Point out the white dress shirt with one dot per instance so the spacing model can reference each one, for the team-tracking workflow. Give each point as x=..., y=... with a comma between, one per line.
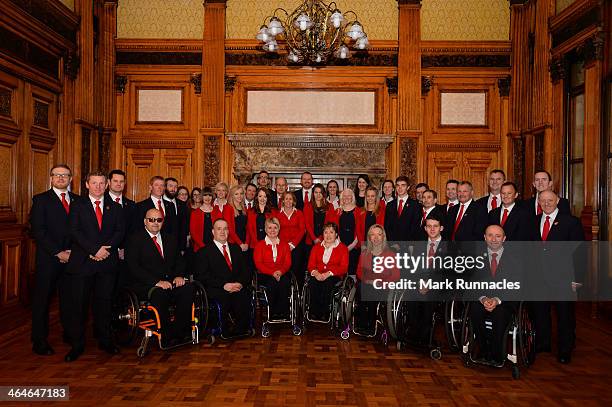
x=159, y=239
x=552, y=216
x=59, y=193
x=93, y=203
x=220, y=247
x=503, y=208
x=114, y=198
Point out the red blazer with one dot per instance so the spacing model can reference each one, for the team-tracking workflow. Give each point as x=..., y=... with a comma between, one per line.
x=264, y=260
x=338, y=262
x=309, y=221
x=252, y=227
x=196, y=226
x=364, y=268
x=380, y=219
x=292, y=230
x=334, y=217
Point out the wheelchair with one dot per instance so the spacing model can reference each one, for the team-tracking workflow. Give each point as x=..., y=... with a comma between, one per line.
x=351, y=307
x=338, y=300
x=131, y=315
x=215, y=322
x=398, y=312
x=294, y=307
x=453, y=323
x=520, y=330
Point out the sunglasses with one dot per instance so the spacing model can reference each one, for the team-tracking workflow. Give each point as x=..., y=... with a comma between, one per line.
x=153, y=220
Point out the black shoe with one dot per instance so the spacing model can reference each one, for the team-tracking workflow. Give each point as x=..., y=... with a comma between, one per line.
x=73, y=355
x=42, y=348
x=565, y=357
x=109, y=348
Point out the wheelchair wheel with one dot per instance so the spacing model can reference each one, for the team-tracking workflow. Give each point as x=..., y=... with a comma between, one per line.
x=126, y=317
x=467, y=337
x=526, y=337
x=347, y=295
x=393, y=301
x=200, y=306
x=453, y=318
x=435, y=354
x=265, y=331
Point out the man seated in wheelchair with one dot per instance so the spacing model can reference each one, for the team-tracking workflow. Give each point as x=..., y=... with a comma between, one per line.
x=375, y=249
x=273, y=260
x=490, y=315
x=157, y=270
x=223, y=271
x=327, y=264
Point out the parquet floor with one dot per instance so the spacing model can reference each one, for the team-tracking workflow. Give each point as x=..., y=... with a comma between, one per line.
x=312, y=370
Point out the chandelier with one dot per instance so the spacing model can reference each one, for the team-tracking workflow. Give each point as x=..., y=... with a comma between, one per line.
x=314, y=32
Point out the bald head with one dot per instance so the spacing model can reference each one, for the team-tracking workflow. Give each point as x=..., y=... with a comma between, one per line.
x=153, y=220
x=548, y=200
x=495, y=237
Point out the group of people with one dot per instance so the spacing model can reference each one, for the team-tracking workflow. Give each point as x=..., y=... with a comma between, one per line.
x=93, y=243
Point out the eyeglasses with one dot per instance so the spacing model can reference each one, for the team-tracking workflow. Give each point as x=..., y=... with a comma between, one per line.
x=61, y=175
x=153, y=220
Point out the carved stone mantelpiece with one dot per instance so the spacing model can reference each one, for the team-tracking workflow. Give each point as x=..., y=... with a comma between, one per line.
x=319, y=154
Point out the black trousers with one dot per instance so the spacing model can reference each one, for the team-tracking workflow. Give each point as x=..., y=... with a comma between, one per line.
x=566, y=325
x=500, y=317
x=297, y=263
x=419, y=320
x=182, y=297
x=353, y=261
x=237, y=304
x=320, y=295
x=365, y=312
x=277, y=292
x=47, y=279
x=102, y=284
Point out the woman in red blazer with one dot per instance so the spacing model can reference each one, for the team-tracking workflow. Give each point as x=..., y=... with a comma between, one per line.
x=372, y=214
x=201, y=221
x=256, y=218
x=328, y=263
x=348, y=220
x=273, y=260
x=314, y=218
x=292, y=231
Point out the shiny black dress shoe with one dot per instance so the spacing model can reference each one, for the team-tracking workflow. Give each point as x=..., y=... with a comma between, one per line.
x=109, y=348
x=73, y=355
x=42, y=348
x=564, y=357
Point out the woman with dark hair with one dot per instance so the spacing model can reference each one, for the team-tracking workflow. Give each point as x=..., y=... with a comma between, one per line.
x=388, y=193
x=314, y=215
x=348, y=221
x=373, y=213
x=201, y=221
x=256, y=218
x=182, y=193
x=363, y=182
x=196, y=198
x=292, y=231
x=333, y=190
x=327, y=264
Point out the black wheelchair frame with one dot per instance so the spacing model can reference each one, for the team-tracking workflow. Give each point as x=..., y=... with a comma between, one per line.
x=294, y=307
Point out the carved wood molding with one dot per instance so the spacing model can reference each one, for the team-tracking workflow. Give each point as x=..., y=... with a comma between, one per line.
x=309, y=141
x=392, y=85
x=147, y=142
x=503, y=85
x=463, y=147
x=408, y=158
x=465, y=47
x=212, y=163
x=196, y=80
x=157, y=45
x=426, y=85
x=121, y=82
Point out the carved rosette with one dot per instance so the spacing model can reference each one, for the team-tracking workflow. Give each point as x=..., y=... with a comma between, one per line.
x=408, y=158
x=120, y=83
x=230, y=82
x=196, y=80
x=212, y=165
x=426, y=84
x=319, y=154
x=559, y=68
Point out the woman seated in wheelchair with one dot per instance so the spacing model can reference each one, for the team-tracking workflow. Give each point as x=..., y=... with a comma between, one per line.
x=376, y=247
x=490, y=316
x=327, y=264
x=157, y=275
x=273, y=260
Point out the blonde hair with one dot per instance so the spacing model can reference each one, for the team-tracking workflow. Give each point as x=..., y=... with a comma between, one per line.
x=231, y=202
x=273, y=221
x=384, y=234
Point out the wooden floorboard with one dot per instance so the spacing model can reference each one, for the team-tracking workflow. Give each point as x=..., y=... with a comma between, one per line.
x=312, y=370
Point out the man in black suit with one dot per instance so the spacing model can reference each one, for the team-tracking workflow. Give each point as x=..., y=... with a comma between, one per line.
x=542, y=181
x=430, y=209
x=158, y=274
x=97, y=228
x=263, y=179
x=500, y=263
x=512, y=217
x=558, y=265
x=277, y=194
x=223, y=271
x=156, y=200
x=493, y=199
x=451, y=194
x=304, y=194
x=466, y=222
x=180, y=211
x=418, y=191
x=49, y=222
x=116, y=186
x=249, y=196
x=402, y=215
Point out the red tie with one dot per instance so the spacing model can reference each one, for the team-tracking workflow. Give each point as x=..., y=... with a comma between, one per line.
x=424, y=217
x=539, y=210
x=98, y=214
x=65, y=203
x=118, y=200
x=306, y=200
x=494, y=202
x=227, y=258
x=504, y=217
x=160, y=206
x=457, y=222
x=431, y=254
x=159, y=249
x=451, y=204
x=493, y=264
x=546, y=228
x=248, y=205
x=400, y=208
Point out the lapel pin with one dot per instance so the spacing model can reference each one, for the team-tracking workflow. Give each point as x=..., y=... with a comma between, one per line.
x=556, y=223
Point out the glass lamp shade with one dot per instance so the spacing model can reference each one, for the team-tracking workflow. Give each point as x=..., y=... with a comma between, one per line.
x=271, y=46
x=303, y=22
x=336, y=18
x=356, y=31
x=343, y=52
x=362, y=43
x=275, y=27
x=263, y=34
x=292, y=57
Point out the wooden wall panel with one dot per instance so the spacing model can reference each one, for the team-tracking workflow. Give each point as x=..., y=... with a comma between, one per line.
x=476, y=168
x=442, y=166
x=141, y=165
x=8, y=160
x=176, y=163
x=11, y=265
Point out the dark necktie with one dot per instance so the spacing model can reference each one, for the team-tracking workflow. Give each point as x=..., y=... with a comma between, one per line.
x=504, y=217
x=306, y=200
x=159, y=249
x=546, y=228
x=457, y=222
x=98, y=214
x=431, y=254
x=65, y=203
x=400, y=208
x=227, y=258
x=160, y=206
x=118, y=200
x=493, y=264
x=539, y=210
x=494, y=202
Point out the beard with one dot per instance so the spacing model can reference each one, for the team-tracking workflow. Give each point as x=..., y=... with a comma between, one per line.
x=170, y=195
